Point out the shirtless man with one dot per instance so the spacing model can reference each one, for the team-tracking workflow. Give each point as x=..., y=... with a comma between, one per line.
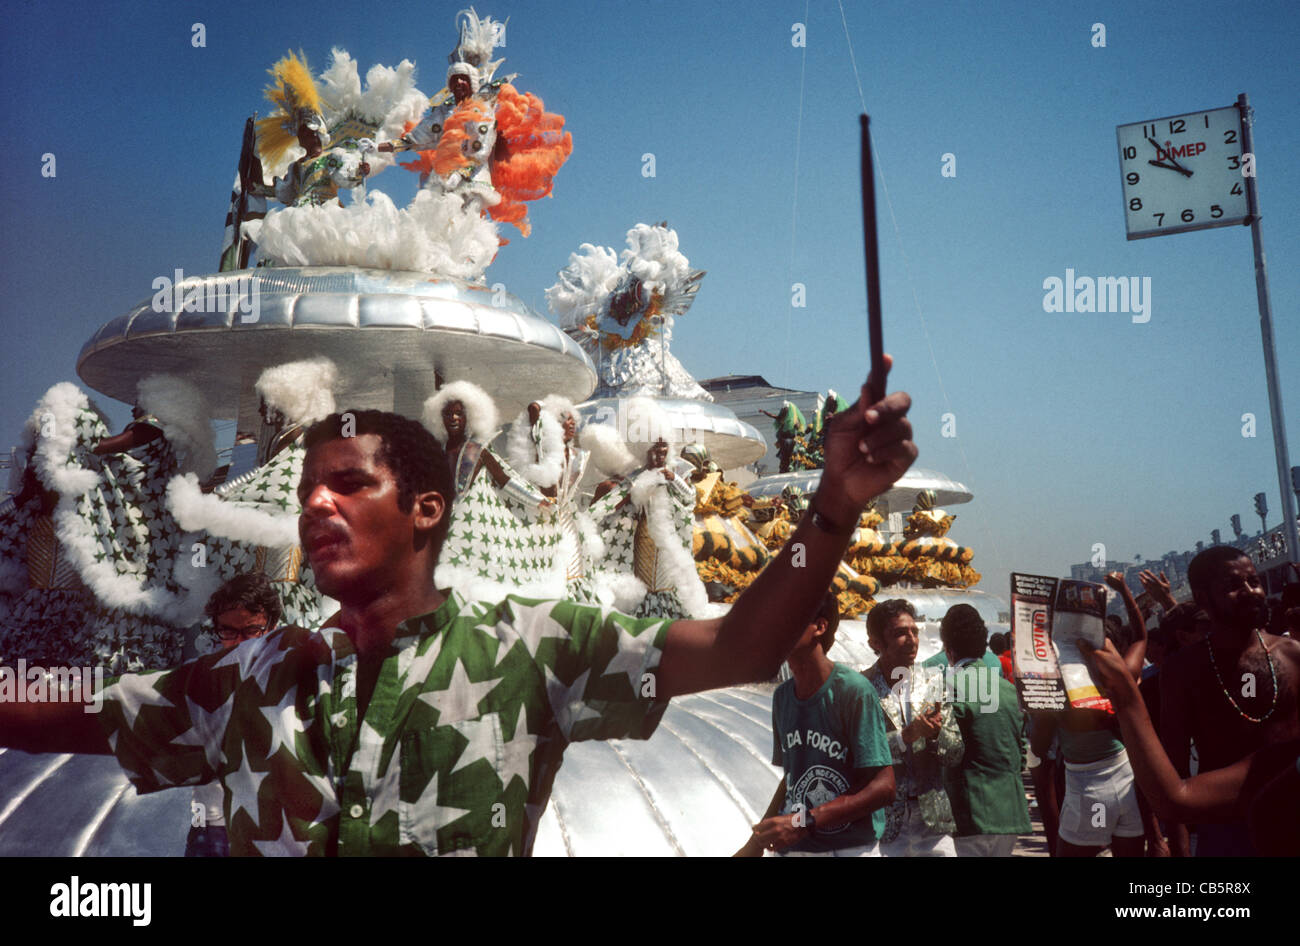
x=1235, y=692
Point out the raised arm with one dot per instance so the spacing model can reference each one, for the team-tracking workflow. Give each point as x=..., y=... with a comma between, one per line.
x=1136, y=652
x=867, y=449
x=1158, y=588
x=135, y=435
x=1212, y=795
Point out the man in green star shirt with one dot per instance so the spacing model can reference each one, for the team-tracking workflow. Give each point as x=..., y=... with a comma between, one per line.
x=414, y=722
x=828, y=731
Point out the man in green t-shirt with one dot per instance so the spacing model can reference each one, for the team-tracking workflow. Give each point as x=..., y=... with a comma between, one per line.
x=828, y=731
x=413, y=721
x=985, y=791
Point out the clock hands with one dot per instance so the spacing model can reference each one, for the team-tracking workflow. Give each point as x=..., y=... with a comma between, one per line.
x=1170, y=167
x=1175, y=166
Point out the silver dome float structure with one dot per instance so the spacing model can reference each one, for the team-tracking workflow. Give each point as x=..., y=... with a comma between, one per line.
x=730, y=441
x=898, y=498
x=693, y=789
x=396, y=336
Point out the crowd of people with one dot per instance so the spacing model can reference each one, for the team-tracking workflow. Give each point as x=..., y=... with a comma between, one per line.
x=416, y=720
x=907, y=759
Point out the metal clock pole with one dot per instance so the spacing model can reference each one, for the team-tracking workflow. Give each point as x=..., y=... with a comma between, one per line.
x=1266, y=330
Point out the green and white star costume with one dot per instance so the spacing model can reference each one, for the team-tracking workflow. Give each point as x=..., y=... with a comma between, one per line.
x=458, y=750
x=492, y=546
x=564, y=531
x=109, y=526
x=650, y=536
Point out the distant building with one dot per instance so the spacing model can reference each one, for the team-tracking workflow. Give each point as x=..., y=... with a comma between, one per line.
x=1266, y=550
x=748, y=395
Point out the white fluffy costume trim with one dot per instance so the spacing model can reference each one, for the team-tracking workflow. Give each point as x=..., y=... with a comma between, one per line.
x=186, y=420
x=649, y=494
x=433, y=234
x=390, y=99
x=481, y=417
x=647, y=423
x=303, y=391
x=584, y=285
x=197, y=511
x=608, y=451
x=54, y=425
x=536, y=451
x=53, y=429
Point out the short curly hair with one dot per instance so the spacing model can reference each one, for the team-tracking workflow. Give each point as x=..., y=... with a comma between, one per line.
x=251, y=591
x=1208, y=564
x=885, y=613
x=406, y=447
x=963, y=631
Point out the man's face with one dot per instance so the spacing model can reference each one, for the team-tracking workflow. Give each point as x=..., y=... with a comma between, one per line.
x=1236, y=596
x=570, y=428
x=898, y=641
x=238, y=625
x=657, y=455
x=460, y=87
x=351, y=528
x=453, y=418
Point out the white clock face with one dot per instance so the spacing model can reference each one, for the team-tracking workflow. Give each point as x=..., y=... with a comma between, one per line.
x=1183, y=173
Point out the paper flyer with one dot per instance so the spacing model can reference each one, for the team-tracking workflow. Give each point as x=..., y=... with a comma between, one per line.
x=1048, y=618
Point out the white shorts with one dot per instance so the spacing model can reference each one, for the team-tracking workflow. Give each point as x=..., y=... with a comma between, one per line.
x=1100, y=802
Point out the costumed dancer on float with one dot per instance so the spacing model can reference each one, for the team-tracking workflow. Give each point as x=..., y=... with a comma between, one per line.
x=47, y=603
x=335, y=123
x=251, y=522
x=621, y=312
x=317, y=176
x=491, y=549
x=543, y=447
x=483, y=139
x=791, y=437
x=647, y=520
x=816, y=450
x=98, y=541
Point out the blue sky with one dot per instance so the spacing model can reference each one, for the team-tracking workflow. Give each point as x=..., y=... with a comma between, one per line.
x=1072, y=428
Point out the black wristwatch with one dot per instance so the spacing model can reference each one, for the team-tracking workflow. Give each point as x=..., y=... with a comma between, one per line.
x=826, y=525
x=810, y=821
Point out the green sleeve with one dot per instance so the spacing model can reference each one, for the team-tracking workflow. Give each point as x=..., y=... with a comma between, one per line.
x=599, y=665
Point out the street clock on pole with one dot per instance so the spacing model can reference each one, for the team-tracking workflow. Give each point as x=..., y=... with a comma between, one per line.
x=1183, y=173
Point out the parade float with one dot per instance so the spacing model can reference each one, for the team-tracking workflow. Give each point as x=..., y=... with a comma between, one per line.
x=616, y=461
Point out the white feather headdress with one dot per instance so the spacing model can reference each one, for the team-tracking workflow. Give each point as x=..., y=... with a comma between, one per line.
x=481, y=417
x=477, y=40
x=303, y=391
x=186, y=420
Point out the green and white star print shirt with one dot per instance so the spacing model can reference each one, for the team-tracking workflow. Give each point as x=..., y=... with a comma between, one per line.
x=459, y=747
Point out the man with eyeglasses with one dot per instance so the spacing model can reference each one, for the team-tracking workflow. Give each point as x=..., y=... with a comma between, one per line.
x=243, y=608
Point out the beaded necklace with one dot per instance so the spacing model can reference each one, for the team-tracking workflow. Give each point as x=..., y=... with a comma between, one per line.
x=1272, y=673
